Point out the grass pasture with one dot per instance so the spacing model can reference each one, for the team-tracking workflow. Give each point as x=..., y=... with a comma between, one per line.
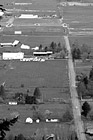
x=35, y=30
x=87, y=1
x=82, y=40
x=31, y=22
x=62, y=130
x=51, y=77
x=36, y=5
x=83, y=67
x=78, y=17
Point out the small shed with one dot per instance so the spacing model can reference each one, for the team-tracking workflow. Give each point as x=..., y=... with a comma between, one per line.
x=12, y=103
x=29, y=120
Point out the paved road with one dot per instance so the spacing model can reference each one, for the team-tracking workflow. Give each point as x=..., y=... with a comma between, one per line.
x=75, y=102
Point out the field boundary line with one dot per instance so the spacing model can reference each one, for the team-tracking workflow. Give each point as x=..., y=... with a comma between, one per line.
x=79, y=126
x=80, y=67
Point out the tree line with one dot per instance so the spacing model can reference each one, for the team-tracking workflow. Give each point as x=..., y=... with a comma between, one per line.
x=54, y=47
x=80, y=52
x=22, y=98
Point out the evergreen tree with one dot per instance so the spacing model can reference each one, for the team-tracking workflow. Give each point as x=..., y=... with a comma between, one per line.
x=46, y=49
x=85, y=48
x=20, y=137
x=86, y=108
x=37, y=93
x=59, y=47
x=40, y=47
x=2, y=90
x=5, y=126
x=52, y=46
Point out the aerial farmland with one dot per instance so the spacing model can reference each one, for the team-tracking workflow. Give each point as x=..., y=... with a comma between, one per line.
x=39, y=93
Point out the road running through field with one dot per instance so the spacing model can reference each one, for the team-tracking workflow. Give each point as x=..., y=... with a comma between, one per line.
x=74, y=96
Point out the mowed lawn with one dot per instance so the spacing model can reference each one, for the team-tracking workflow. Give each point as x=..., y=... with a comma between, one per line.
x=44, y=74
x=50, y=76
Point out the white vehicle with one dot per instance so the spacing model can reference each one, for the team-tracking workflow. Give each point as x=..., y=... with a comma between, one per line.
x=23, y=46
x=42, y=60
x=65, y=25
x=29, y=120
x=1, y=13
x=37, y=24
x=36, y=48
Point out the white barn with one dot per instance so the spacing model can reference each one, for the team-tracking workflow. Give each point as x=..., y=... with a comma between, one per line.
x=11, y=56
x=28, y=16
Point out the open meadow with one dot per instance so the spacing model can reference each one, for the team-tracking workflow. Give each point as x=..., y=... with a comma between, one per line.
x=50, y=76
x=36, y=5
x=78, y=17
x=87, y=39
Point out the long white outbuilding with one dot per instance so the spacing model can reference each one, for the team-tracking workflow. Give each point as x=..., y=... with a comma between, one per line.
x=13, y=56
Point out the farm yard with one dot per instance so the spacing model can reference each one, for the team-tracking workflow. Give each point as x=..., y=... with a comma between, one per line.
x=42, y=127
x=52, y=78
x=33, y=41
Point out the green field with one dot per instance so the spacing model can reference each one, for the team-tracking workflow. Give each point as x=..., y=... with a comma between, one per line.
x=82, y=40
x=52, y=79
x=50, y=76
x=40, y=5
x=78, y=17
x=31, y=22
x=83, y=67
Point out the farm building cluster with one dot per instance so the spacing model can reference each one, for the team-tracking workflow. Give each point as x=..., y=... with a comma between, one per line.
x=23, y=52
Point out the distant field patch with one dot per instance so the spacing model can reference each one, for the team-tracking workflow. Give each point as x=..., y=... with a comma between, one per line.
x=83, y=16
x=30, y=22
x=82, y=67
x=82, y=40
x=50, y=76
